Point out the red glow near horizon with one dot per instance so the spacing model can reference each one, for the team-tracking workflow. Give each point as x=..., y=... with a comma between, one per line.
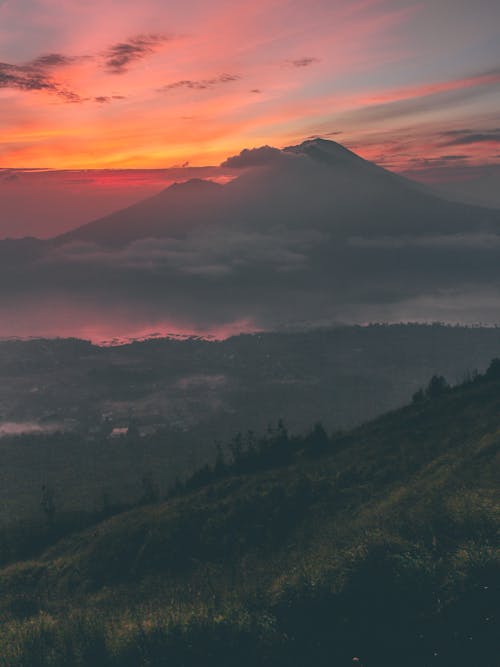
x=104, y=334
x=100, y=335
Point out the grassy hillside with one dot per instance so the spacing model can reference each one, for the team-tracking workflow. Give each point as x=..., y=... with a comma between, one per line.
x=186, y=394
x=378, y=548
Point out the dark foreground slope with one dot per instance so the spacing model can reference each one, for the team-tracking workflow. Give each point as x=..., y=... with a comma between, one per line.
x=379, y=547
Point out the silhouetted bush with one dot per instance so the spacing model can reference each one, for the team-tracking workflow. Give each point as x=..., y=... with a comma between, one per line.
x=437, y=387
x=493, y=372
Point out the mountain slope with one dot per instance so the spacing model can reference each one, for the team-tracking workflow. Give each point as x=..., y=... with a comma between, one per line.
x=176, y=211
x=317, y=184
x=380, y=545
x=312, y=233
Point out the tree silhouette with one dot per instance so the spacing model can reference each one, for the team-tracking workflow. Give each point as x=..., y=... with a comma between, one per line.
x=493, y=372
x=437, y=386
x=48, y=504
x=150, y=490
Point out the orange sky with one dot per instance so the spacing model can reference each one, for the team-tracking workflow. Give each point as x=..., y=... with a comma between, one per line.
x=119, y=84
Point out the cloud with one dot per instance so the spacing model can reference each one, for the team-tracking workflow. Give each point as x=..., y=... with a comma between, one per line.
x=70, y=96
x=407, y=101
x=474, y=138
x=468, y=242
x=39, y=75
x=302, y=62
x=106, y=99
x=487, y=78
x=270, y=278
x=434, y=162
x=52, y=60
x=448, y=158
x=24, y=78
x=122, y=54
x=36, y=75
x=200, y=84
x=212, y=252
x=254, y=157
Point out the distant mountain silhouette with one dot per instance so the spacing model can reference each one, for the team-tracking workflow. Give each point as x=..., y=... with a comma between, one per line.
x=318, y=184
x=172, y=212
x=309, y=234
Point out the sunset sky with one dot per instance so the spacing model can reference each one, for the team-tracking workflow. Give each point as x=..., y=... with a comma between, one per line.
x=114, y=84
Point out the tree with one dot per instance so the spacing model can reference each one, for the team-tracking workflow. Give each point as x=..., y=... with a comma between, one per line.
x=150, y=490
x=493, y=372
x=418, y=396
x=437, y=386
x=133, y=428
x=317, y=440
x=220, y=466
x=48, y=504
x=236, y=448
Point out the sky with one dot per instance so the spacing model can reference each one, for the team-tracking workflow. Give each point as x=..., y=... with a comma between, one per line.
x=144, y=88
x=106, y=102
x=120, y=84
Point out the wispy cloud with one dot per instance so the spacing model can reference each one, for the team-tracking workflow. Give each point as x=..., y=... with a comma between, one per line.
x=468, y=137
x=41, y=74
x=302, y=62
x=50, y=60
x=487, y=78
x=106, y=99
x=402, y=102
x=121, y=55
x=200, y=84
x=24, y=78
x=34, y=76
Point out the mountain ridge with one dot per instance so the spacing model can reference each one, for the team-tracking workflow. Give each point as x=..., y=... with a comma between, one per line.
x=320, y=177
x=309, y=233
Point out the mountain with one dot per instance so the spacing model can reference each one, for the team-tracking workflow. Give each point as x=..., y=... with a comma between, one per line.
x=318, y=184
x=377, y=547
x=309, y=234
x=178, y=210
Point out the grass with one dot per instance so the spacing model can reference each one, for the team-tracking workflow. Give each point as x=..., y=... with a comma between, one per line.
x=381, y=544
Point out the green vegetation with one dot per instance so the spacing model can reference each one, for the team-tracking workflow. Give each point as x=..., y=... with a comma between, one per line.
x=376, y=547
x=182, y=395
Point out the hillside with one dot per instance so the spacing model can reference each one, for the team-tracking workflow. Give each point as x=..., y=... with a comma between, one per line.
x=184, y=395
x=377, y=547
